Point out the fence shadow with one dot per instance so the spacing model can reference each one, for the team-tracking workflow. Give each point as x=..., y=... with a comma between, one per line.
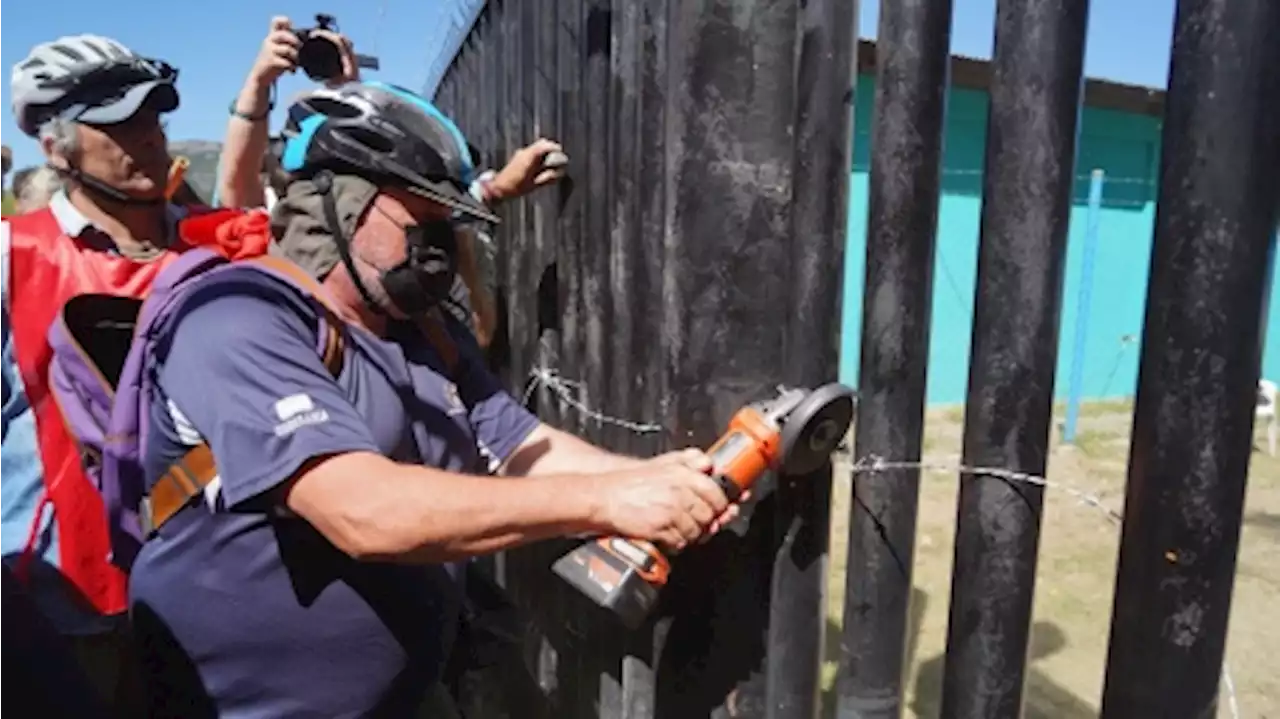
x=1045, y=698
x=1265, y=521
x=915, y=618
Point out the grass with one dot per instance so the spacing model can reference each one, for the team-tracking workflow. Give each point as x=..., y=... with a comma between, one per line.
x=1076, y=574
x=1098, y=443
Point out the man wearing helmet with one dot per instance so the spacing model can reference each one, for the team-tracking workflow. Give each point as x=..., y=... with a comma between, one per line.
x=313, y=575
x=95, y=107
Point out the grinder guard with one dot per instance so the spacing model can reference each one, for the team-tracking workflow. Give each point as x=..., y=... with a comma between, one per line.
x=814, y=429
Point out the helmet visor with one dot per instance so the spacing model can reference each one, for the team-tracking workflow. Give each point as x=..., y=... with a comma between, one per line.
x=113, y=93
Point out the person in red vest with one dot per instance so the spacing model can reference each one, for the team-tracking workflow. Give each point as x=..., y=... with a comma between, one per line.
x=95, y=107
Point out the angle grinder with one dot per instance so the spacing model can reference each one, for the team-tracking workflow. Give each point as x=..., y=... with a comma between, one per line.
x=794, y=433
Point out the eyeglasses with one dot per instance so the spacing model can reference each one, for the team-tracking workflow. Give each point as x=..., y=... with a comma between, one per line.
x=417, y=223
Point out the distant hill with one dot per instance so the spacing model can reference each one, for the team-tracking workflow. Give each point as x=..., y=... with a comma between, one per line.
x=203, y=172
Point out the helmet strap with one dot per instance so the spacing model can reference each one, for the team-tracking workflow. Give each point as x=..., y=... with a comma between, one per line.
x=324, y=183
x=102, y=189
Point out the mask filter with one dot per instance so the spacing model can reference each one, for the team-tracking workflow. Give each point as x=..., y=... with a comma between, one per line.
x=425, y=277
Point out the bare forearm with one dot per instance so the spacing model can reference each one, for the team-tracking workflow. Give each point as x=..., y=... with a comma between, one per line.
x=240, y=183
x=549, y=451
x=382, y=511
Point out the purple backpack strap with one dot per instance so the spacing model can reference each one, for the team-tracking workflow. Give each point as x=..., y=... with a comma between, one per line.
x=124, y=478
x=123, y=482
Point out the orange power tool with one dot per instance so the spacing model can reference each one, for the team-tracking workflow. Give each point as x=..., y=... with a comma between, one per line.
x=795, y=433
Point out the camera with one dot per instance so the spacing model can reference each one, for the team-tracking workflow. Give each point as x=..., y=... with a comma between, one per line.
x=319, y=57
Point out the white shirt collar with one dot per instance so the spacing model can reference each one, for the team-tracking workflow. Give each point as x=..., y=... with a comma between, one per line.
x=73, y=223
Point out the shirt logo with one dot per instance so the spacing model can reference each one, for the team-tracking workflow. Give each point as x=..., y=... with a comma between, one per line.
x=295, y=412
x=451, y=396
x=187, y=433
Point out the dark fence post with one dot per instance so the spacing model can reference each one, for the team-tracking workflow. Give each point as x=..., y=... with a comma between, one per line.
x=1027, y=190
x=912, y=63
x=825, y=85
x=570, y=198
x=726, y=275
x=1201, y=354
x=596, y=296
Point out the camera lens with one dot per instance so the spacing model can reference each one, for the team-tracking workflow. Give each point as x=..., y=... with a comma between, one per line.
x=319, y=58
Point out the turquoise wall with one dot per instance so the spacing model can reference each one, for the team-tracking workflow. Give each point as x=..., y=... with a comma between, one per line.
x=1126, y=148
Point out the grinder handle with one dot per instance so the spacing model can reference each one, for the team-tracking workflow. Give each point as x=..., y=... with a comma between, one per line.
x=738, y=459
x=751, y=447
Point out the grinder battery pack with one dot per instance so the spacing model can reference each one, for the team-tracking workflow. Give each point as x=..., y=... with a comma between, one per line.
x=794, y=432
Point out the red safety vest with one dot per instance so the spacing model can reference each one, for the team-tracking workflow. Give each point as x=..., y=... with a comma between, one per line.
x=47, y=268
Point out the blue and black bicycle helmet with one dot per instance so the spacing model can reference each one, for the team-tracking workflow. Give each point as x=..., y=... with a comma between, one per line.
x=385, y=134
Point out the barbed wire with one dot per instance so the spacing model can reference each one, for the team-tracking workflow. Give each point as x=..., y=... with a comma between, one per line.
x=566, y=389
x=458, y=17
x=872, y=463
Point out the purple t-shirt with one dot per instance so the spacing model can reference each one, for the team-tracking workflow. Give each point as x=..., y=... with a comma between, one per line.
x=246, y=612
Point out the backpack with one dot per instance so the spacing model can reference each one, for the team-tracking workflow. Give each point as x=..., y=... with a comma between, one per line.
x=101, y=377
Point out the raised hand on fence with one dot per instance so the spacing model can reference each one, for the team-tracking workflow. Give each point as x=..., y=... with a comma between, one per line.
x=538, y=164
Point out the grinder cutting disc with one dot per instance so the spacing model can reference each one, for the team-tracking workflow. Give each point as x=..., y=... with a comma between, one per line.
x=813, y=430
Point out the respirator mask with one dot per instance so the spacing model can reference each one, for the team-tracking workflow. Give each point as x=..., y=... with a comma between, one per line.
x=425, y=276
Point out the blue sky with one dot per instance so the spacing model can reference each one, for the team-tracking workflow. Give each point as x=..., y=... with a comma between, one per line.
x=214, y=45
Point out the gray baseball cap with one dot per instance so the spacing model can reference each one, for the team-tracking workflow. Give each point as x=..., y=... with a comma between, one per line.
x=90, y=79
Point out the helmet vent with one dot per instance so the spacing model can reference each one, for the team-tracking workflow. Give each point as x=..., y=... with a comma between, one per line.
x=370, y=139
x=333, y=108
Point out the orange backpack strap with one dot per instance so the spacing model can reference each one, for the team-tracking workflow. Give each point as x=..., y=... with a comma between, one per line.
x=188, y=477
x=334, y=344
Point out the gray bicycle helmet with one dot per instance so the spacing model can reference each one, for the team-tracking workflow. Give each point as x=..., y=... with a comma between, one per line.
x=90, y=79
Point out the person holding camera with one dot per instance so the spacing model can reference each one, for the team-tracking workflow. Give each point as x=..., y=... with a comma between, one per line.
x=241, y=182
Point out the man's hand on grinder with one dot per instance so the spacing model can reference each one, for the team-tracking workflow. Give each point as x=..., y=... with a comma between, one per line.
x=670, y=499
x=697, y=459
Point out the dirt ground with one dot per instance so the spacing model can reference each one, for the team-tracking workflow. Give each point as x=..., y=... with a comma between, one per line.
x=1078, y=553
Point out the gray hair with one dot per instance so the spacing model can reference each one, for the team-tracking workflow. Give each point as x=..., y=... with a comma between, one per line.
x=62, y=135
